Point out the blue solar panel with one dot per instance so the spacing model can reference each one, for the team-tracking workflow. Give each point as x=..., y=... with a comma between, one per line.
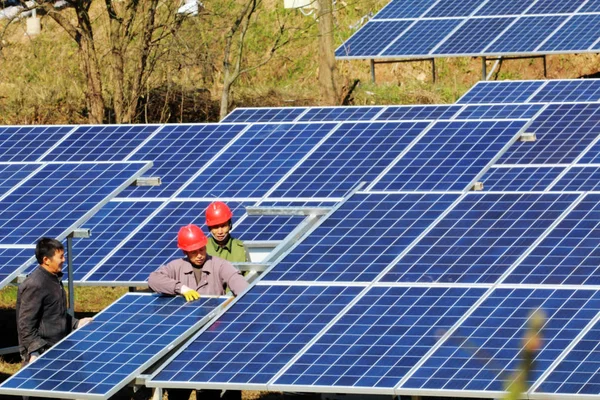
x=340, y=114
x=368, y=40
x=501, y=111
x=100, y=358
x=380, y=338
x=591, y=156
x=418, y=112
x=519, y=178
x=590, y=6
x=13, y=261
x=449, y=156
x=578, y=373
x=563, y=132
x=422, y=37
x=504, y=7
x=525, y=35
x=579, y=178
x=100, y=143
x=178, y=152
x=354, y=153
x=480, y=238
x=12, y=174
x=568, y=90
x=361, y=238
x=579, y=33
x=256, y=337
x=570, y=254
x=404, y=9
x=480, y=354
x=264, y=114
x=28, y=143
x=554, y=7
x=453, y=8
x=474, y=36
x=501, y=92
x=257, y=160
x=60, y=197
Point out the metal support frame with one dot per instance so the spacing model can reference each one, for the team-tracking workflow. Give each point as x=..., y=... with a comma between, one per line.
x=484, y=59
x=373, y=62
x=260, y=210
x=77, y=233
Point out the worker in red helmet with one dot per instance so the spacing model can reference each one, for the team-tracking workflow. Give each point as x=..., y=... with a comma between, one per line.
x=198, y=272
x=220, y=242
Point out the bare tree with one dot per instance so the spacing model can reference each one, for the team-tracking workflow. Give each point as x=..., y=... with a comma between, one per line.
x=327, y=67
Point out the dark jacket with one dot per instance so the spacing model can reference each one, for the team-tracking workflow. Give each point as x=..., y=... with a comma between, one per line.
x=42, y=318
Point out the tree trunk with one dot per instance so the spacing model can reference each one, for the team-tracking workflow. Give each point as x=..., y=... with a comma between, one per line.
x=327, y=67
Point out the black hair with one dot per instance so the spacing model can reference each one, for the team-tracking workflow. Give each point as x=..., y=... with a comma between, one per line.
x=46, y=247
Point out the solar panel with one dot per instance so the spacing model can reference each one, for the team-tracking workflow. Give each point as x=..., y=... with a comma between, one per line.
x=100, y=143
x=257, y=160
x=473, y=36
x=520, y=178
x=579, y=33
x=377, y=341
x=449, y=156
x=570, y=254
x=355, y=152
x=554, y=7
x=404, y=9
x=579, y=178
x=28, y=143
x=340, y=114
x=500, y=111
x=361, y=238
x=14, y=260
x=367, y=41
x=288, y=114
x=504, y=7
x=568, y=90
x=12, y=174
x=257, y=336
x=501, y=92
x=590, y=6
x=591, y=155
x=479, y=355
x=563, y=132
x=422, y=37
x=525, y=35
x=453, y=8
x=417, y=112
x=178, y=153
x=60, y=197
x=480, y=238
x=97, y=360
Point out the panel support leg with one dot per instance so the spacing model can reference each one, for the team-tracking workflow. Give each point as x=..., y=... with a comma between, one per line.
x=71, y=309
x=372, y=70
x=433, y=69
x=483, y=69
x=545, y=68
x=157, y=394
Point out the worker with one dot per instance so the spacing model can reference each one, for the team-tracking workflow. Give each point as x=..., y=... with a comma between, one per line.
x=42, y=318
x=221, y=243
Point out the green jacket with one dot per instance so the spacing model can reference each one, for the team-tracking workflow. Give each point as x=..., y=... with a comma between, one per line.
x=234, y=250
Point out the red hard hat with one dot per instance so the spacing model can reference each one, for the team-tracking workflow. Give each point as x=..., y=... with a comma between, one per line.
x=217, y=213
x=191, y=238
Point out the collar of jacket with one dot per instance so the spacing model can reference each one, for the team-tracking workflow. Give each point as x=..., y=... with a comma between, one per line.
x=228, y=245
x=50, y=274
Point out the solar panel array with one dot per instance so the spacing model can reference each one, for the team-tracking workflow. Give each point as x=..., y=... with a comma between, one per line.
x=426, y=28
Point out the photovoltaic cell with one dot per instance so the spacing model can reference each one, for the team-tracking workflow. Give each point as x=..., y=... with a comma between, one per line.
x=579, y=33
x=13, y=261
x=257, y=160
x=422, y=37
x=380, y=338
x=59, y=198
x=453, y=8
x=563, y=132
x=504, y=7
x=480, y=238
x=404, y=9
x=570, y=254
x=449, y=156
x=28, y=143
x=500, y=111
x=264, y=114
x=361, y=238
x=355, y=152
x=368, y=40
x=501, y=92
x=97, y=360
x=590, y=6
x=568, y=90
x=100, y=143
x=178, y=152
x=12, y=174
x=578, y=373
x=256, y=337
x=554, y=7
x=417, y=112
x=520, y=178
x=579, y=178
x=474, y=36
x=341, y=114
x=592, y=155
x=487, y=347
x=525, y=35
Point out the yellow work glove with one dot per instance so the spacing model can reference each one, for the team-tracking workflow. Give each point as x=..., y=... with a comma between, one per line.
x=189, y=294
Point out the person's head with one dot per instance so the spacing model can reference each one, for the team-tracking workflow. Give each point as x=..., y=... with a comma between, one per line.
x=50, y=254
x=218, y=220
x=192, y=241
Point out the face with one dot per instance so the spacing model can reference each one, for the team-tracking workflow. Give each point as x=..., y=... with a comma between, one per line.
x=220, y=232
x=197, y=257
x=55, y=263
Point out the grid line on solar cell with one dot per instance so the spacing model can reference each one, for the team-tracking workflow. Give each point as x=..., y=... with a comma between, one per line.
x=500, y=111
x=488, y=344
x=504, y=7
x=98, y=359
x=256, y=161
x=14, y=260
x=578, y=33
x=379, y=339
x=28, y=143
x=264, y=114
x=354, y=153
x=361, y=238
x=569, y=254
x=367, y=41
x=454, y=8
x=257, y=336
x=563, y=132
x=418, y=112
x=421, y=38
x=59, y=197
x=578, y=178
x=473, y=36
x=579, y=90
x=404, y=9
x=341, y=114
x=449, y=156
x=554, y=7
x=501, y=92
x=520, y=178
x=11, y=175
x=525, y=35
x=480, y=238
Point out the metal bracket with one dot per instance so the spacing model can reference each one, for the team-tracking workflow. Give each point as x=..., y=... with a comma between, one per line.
x=477, y=186
x=258, y=210
x=527, y=137
x=250, y=266
x=147, y=181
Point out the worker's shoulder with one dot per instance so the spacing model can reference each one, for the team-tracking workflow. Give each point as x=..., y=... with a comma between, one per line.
x=237, y=243
x=36, y=279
